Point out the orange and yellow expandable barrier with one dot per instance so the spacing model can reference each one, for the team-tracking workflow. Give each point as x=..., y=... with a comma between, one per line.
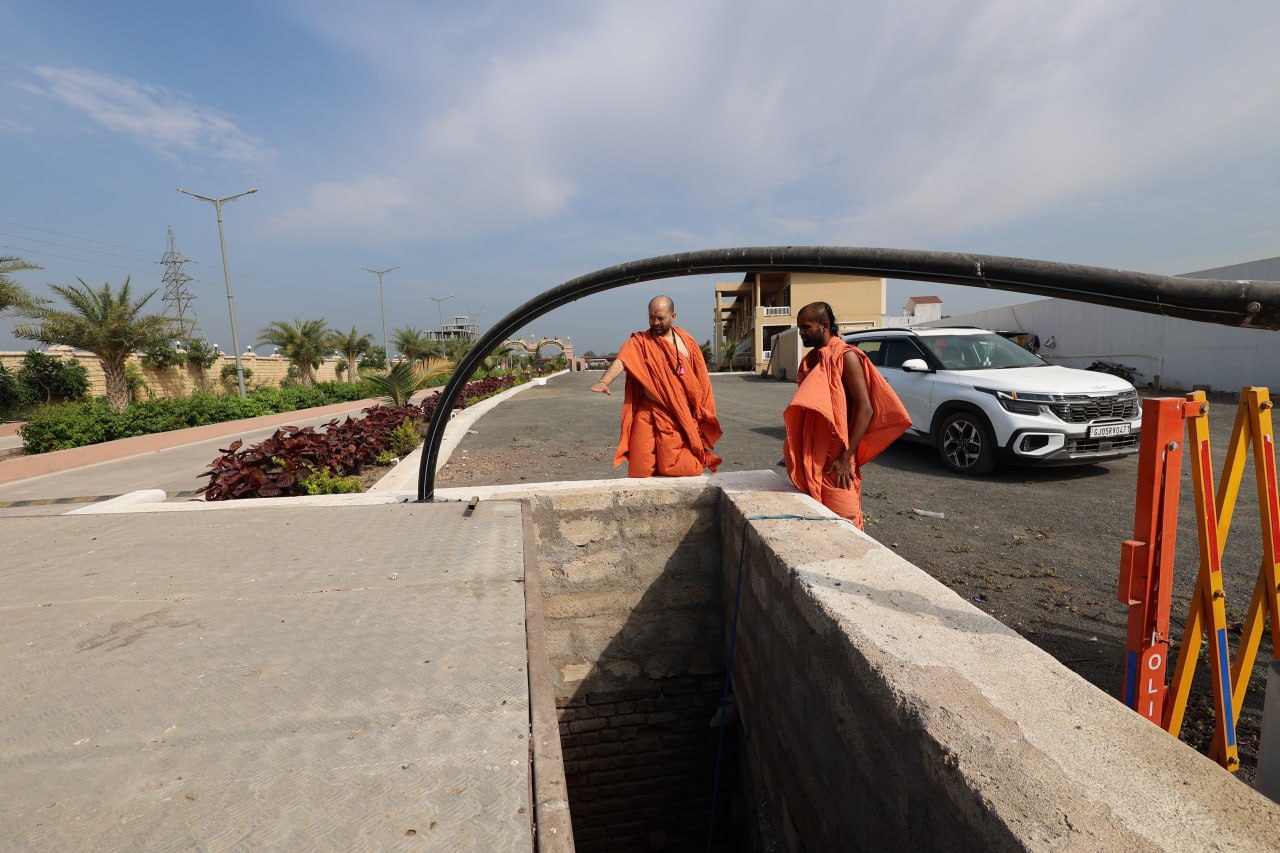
x=1146, y=569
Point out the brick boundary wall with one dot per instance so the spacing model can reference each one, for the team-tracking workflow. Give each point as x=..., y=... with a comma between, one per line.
x=268, y=372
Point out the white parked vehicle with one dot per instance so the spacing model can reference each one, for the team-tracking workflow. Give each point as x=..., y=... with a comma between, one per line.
x=981, y=399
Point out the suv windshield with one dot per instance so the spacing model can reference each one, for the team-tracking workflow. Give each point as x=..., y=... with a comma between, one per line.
x=979, y=352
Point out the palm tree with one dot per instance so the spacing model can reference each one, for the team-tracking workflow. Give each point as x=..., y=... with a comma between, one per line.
x=399, y=382
x=489, y=365
x=453, y=348
x=413, y=343
x=352, y=346
x=110, y=324
x=304, y=342
x=12, y=294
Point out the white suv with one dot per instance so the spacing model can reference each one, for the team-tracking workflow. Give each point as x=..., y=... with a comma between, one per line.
x=980, y=398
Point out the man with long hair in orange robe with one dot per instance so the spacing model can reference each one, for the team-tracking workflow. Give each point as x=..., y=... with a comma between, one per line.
x=842, y=415
x=669, y=420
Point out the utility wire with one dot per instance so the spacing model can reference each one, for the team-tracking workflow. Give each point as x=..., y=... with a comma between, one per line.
x=72, y=236
x=270, y=292
x=72, y=248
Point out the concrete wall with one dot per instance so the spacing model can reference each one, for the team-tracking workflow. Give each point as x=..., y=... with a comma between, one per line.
x=1179, y=354
x=268, y=371
x=858, y=301
x=788, y=349
x=878, y=708
x=883, y=710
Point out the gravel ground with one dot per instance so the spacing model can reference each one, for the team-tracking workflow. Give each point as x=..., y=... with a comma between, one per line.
x=1038, y=548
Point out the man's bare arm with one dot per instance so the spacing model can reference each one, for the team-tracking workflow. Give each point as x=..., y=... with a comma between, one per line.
x=602, y=387
x=858, y=400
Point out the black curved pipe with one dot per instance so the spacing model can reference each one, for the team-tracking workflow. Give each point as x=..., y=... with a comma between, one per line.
x=1233, y=303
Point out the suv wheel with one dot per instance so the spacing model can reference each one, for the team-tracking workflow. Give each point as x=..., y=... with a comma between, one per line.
x=966, y=445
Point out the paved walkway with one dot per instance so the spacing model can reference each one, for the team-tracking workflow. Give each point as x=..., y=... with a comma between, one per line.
x=170, y=461
x=267, y=680
x=301, y=674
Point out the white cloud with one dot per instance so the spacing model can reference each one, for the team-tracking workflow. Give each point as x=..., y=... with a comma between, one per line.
x=8, y=125
x=1043, y=108
x=152, y=115
x=827, y=121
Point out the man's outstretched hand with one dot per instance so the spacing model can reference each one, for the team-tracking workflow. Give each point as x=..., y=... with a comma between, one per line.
x=601, y=388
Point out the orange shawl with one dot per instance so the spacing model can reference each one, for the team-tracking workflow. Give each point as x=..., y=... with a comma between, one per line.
x=680, y=386
x=817, y=417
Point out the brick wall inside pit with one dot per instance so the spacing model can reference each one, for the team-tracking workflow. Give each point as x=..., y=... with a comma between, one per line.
x=634, y=627
x=639, y=764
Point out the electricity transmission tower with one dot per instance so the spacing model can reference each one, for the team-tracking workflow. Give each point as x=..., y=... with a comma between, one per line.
x=177, y=298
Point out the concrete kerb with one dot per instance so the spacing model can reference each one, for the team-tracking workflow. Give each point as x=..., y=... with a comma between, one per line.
x=734, y=482
x=404, y=476
x=399, y=485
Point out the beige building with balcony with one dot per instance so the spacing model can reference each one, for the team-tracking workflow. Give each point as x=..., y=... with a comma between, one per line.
x=748, y=314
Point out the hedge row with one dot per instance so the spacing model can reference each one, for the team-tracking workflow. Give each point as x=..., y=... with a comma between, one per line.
x=92, y=422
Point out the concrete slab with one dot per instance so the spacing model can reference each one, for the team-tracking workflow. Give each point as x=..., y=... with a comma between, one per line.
x=355, y=678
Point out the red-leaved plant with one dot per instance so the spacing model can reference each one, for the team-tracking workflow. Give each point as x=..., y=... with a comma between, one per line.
x=277, y=466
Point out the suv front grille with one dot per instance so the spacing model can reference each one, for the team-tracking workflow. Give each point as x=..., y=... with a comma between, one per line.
x=1101, y=445
x=1083, y=408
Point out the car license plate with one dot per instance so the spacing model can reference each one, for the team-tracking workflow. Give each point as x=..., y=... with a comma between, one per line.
x=1107, y=430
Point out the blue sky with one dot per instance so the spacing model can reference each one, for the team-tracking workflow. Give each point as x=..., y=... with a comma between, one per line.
x=496, y=149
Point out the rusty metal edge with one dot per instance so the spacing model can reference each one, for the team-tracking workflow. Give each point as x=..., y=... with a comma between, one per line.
x=552, y=823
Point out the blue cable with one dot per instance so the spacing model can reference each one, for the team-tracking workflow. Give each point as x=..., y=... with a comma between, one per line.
x=733, y=642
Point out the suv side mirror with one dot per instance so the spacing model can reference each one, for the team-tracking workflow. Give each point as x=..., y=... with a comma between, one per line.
x=915, y=365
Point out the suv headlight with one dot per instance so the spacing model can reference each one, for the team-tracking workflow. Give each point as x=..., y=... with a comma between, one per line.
x=1017, y=402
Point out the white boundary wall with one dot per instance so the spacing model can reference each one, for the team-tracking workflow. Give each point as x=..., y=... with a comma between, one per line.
x=1166, y=352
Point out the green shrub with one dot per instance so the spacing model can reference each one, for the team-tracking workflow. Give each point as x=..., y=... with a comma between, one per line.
x=228, y=375
x=322, y=482
x=162, y=355
x=405, y=438
x=78, y=424
x=14, y=394
x=385, y=457
x=200, y=353
x=136, y=383
x=53, y=378
x=68, y=425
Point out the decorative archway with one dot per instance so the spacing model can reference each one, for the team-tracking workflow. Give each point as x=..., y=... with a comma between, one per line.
x=534, y=345
x=1251, y=304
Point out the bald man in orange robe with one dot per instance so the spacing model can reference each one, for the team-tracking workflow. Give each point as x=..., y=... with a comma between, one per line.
x=842, y=415
x=669, y=420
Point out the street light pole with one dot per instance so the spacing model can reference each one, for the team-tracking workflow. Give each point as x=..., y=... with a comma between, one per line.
x=386, y=353
x=439, y=301
x=226, y=274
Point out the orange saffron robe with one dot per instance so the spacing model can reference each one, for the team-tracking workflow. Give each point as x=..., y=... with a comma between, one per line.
x=817, y=420
x=671, y=430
